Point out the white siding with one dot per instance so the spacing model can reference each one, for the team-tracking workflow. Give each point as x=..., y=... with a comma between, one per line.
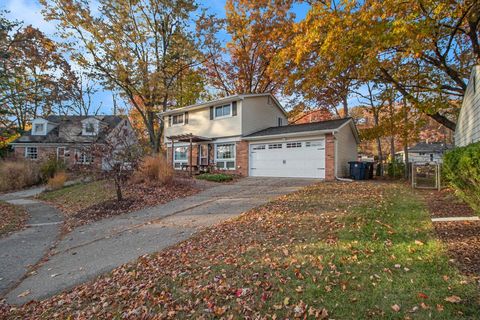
x=258, y=114
x=468, y=124
x=199, y=124
x=346, y=150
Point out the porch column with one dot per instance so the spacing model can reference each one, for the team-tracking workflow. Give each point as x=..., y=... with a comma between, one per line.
x=191, y=156
x=173, y=154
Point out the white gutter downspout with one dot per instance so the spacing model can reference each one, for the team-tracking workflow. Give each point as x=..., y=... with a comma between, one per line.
x=335, y=162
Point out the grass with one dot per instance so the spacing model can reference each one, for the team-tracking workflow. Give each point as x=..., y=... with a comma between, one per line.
x=80, y=196
x=352, y=250
x=12, y=218
x=215, y=177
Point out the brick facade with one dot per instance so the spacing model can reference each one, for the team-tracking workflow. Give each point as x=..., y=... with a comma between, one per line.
x=329, y=157
x=48, y=152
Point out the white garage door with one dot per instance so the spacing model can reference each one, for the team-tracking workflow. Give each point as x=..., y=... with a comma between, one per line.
x=302, y=159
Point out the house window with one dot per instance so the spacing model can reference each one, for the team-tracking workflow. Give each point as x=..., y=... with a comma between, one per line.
x=275, y=146
x=225, y=156
x=31, y=153
x=294, y=145
x=39, y=127
x=180, y=157
x=280, y=122
x=84, y=157
x=223, y=111
x=177, y=119
x=90, y=128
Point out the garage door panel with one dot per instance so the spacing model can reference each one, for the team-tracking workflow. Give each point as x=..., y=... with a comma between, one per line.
x=300, y=159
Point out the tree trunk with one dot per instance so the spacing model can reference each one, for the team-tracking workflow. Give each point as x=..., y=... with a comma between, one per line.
x=392, y=148
x=119, y=190
x=345, y=106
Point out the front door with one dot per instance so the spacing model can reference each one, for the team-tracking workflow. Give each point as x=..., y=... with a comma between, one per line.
x=203, y=154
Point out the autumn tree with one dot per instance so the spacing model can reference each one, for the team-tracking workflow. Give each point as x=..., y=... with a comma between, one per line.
x=137, y=48
x=258, y=30
x=35, y=78
x=382, y=40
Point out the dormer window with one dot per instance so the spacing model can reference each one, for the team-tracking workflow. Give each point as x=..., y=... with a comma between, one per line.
x=39, y=128
x=90, y=127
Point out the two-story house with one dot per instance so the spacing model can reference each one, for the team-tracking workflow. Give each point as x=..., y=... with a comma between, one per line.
x=249, y=135
x=69, y=139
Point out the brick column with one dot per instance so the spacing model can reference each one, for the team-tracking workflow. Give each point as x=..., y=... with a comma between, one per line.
x=329, y=157
x=242, y=158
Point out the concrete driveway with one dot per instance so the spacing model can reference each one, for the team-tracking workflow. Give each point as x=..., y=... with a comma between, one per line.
x=97, y=248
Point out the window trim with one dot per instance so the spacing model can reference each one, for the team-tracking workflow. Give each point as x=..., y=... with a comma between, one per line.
x=180, y=123
x=28, y=154
x=85, y=154
x=222, y=106
x=37, y=132
x=225, y=160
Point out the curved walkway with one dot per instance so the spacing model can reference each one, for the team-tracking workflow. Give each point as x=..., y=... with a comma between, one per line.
x=23, y=249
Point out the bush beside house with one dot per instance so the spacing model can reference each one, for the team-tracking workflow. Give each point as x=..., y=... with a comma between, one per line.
x=462, y=172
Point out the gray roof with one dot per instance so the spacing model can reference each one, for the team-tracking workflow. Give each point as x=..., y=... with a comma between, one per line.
x=439, y=147
x=68, y=129
x=329, y=125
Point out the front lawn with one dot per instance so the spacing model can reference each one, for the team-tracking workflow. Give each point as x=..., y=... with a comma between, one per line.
x=335, y=250
x=12, y=218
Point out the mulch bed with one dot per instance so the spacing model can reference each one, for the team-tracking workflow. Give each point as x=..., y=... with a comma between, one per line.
x=136, y=197
x=445, y=204
x=462, y=238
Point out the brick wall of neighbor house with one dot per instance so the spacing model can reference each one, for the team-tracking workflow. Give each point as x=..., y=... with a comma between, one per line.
x=329, y=157
x=46, y=152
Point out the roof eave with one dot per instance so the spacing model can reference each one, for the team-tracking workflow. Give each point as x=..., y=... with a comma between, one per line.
x=292, y=134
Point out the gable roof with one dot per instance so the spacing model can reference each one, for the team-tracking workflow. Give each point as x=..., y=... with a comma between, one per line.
x=430, y=147
x=68, y=129
x=227, y=99
x=321, y=126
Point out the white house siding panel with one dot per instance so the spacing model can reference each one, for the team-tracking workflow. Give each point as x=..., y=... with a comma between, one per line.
x=258, y=114
x=346, y=146
x=199, y=124
x=468, y=124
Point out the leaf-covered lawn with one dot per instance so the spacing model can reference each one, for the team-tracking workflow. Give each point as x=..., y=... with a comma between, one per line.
x=86, y=202
x=12, y=218
x=335, y=250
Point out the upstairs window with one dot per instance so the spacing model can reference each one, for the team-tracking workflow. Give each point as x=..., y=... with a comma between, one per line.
x=223, y=111
x=177, y=119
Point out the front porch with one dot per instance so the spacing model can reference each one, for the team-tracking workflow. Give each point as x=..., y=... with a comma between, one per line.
x=195, y=154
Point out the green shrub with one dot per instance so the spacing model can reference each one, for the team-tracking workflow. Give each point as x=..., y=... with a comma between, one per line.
x=396, y=169
x=215, y=177
x=461, y=168
x=18, y=174
x=50, y=167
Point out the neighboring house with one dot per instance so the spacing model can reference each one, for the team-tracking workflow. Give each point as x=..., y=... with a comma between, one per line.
x=468, y=123
x=249, y=135
x=425, y=152
x=70, y=138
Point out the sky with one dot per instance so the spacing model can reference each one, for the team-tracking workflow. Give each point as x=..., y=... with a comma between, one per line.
x=29, y=12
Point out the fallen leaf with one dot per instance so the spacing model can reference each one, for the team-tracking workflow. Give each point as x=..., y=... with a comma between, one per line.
x=286, y=301
x=422, y=295
x=24, y=294
x=453, y=299
x=395, y=308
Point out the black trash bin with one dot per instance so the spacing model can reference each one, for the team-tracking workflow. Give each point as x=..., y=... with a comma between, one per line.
x=368, y=172
x=357, y=170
